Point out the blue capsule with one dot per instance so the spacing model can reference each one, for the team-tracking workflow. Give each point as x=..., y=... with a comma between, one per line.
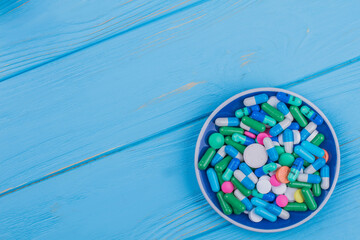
x=259, y=202
x=290, y=99
x=295, y=169
x=213, y=180
x=227, y=122
x=248, y=172
x=243, y=199
x=270, y=149
x=239, y=175
x=261, y=171
x=285, y=110
x=325, y=177
x=263, y=118
x=245, y=140
x=278, y=211
x=309, y=178
x=246, y=111
x=288, y=140
x=311, y=115
x=231, y=151
x=281, y=126
x=233, y=165
x=265, y=214
x=270, y=196
x=247, y=128
x=319, y=163
x=313, y=149
x=220, y=154
x=294, y=126
x=307, y=131
x=304, y=154
x=257, y=99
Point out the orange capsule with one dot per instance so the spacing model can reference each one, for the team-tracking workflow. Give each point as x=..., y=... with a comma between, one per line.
x=282, y=174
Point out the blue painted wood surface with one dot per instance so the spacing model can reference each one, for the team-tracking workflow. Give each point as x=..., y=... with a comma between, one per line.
x=101, y=105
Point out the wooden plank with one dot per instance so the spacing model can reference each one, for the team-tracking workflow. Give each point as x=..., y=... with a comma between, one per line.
x=150, y=190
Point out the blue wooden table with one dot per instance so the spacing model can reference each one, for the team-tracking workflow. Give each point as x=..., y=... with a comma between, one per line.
x=101, y=103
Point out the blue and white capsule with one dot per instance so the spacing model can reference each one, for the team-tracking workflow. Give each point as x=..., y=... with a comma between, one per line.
x=288, y=139
x=248, y=172
x=263, y=118
x=270, y=196
x=270, y=149
x=285, y=110
x=289, y=99
x=313, y=149
x=309, y=178
x=259, y=202
x=273, y=101
x=243, y=199
x=280, y=127
x=307, y=131
x=295, y=169
x=220, y=154
x=294, y=126
x=244, y=140
x=319, y=163
x=227, y=122
x=297, y=137
x=246, y=111
x=213, y=180
x=233, y=165
x=247, y=128
x=239, y=175
x=312, y=136
x=265, y=214
x=257, y=99
x=325, y=177
x=232, y=152
x=311, y=115
x=304, y=154
x=278, y=211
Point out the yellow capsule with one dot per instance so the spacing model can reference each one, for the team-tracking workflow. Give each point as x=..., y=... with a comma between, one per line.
x=298, y=196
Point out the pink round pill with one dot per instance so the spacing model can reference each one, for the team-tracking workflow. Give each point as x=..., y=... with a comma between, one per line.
x=227, y=187
x=282, y=201
x=274, y=181
x=260, y=137
x=250, y=135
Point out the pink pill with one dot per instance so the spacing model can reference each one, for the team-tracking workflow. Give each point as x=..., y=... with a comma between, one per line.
x=282, y=201
x=227, y=187
x=274, y=181
x=260, y=137
x=250, y=135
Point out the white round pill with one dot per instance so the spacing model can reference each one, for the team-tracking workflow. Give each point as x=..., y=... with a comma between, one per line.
x=290, y=194
x=255, y=155
x=254, y=217
x=263, y=186
x=281, y=189
x=264, y=177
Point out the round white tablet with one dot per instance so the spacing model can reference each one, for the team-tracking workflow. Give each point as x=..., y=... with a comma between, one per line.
x=290, y=194
x=265, y=177
x=281, y=189
x=254, y=217
x=255, y=155
x=263, y=186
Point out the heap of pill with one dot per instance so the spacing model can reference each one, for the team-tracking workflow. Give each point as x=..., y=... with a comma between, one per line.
x=266, y=160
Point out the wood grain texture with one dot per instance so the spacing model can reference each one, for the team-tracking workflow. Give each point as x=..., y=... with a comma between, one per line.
x=126, y=86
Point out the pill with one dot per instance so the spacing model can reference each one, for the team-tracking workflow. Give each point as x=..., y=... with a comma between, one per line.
x=257, y=99
x=240, y=186
x=304, y=154
x=267, y=196
x=265, y=169
x=222, y=165
x=309, y=178
x=270, y=149
x=280, y=127
x=312, y=135
x=278, y=190
x=278, y=211
x=316, y=188
x=263, y=186
x=288, y=139
x=265, y=177
x=220, y=154
x=230, y=121
x=282, y=174
x=227, y=187
x=249, y=134
x=318, y=139
x=311, y=115
x=213, y=180
x=307, y=131
x=295, y=170
x=325, y=177
x=285, y=110
x=237, y=146
x=298, y=116
x=226, y=131
x=294, y=126
x=274, y=182
x=246, y=111
x=258, y=116
x=233, y=165
x=248, y=172
x=289, y=193
x=247, y=128
x=243, y=199
x=280, y=150
x=260, y=137
x=258, y=202
x=254, y=217
x=286, y=159
x=313, y=149
x=296, y=207
x=233, y=152
x=239, y=175
x=206, y=158
x=319, y=163
x=297, y=184
x=234, y=202
x=255, y=155
x=273, y=101
x=297, y=137
x=227, y=210
x=219, y=177
x=309, y=199
x=242, y=139
x=272, y=112
x=326, y=155
x=253, y=124
x=298, y=196
x=281, y=200
x=265, y=214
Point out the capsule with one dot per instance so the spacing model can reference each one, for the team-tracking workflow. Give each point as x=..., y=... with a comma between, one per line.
x=318, y=139
x=247, y=128
x=222, y=165
x=257, y=126
x=233, y=152
x=311, y=115
x=263, y=118
x=233, y=165
x=265, y=169
x=257, y=99
x=296, y=207
x=273, y=112
x=309, y=178
x=319, y=163
x=231, y=122
x=227, y=210
x=299, y=185
x=312, y=136
x=267, y=197
x=259, y=202
x=316, y=189
x=309, y=199
x=288, y=139
x=239, y=147
x=285, y=110
x=294, y=126
x=239, y=138
x=313, y=149
x=295, y=169
x=248, y=172
x=295, y=111
x=234, y=202
x=239, y=175
x=213, y=180
x=226, y=131
x=290, y=99
x=220, y=154
x=278, y=211
x=281, y=126
x=219, y=177
x=206, y=158
x=243, y=199
x=307, y=131
x=270, y=149
x=297, y=137
x=304, y=154
x=325, y=177
x=273, y=101
x=241, y=187
x=246, y=111
x=265, y=214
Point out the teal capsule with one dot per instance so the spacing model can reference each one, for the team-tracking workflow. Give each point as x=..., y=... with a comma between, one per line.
x=213, y=180
x=265, y=214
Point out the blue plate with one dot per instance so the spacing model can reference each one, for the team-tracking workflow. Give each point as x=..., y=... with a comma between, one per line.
x=228, y=109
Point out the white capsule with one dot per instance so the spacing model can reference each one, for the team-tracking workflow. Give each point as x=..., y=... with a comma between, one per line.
x=281, y=189
x=273, y=101
x=290, y=194
x=240, y=157
x=311, y=127
x=312, y=136
x=239, y=175
x=310, y=169
x=281, y=139
x=268, y=143
x=239, y=195
x=254, y=217
x=263, y=186
x=284, y=215
x=289, y=116
x=245, y=127
x=253, y=177
x=297, y=137
x=325, y=183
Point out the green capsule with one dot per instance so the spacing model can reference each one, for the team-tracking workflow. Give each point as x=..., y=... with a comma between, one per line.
x=273, y=112
x=255, y=193
x=257, y=126
x=237, y=212
x=309, y=199
x=299, y=117
x=238, y=146
x=318, y=139
x=269, y=167
x=286, y=159
x=222, y=165
x=242, y=112
x=316, y=188
x=219, y=176
x=299, y=185
x=241, y=187
x=226, y=131
x=206, y=159
x=296, y=207
x=280, y=150
x=226, y=208
x=306, y=163
x=234, y=202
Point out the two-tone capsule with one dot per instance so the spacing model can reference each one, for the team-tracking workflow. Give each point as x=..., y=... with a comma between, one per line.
x=228, y=122
x=263, y=118
x=319, y=163
x=231, y=151
x=239, y=175
x=280, y=127
x=325, y=177
x=312, y=136
x=248, y=172
x=278, y=211
x=243, y=199
x=313, y=149
x=220, y=154
x=308, y=130
x=304, y=154
x=265, y=214
x=311, y=115
x=245, y=140
x=309, y=178
x=290, y=99
x=249, y=129
x=294, y=126
x=233, y=165
x=270, y=196
x=257, y=99
x=265, y=169
x=213, y=180
x=270, y=149
x=246, y=111
x=295, y=169
x=285, y=110
x=288, y=139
